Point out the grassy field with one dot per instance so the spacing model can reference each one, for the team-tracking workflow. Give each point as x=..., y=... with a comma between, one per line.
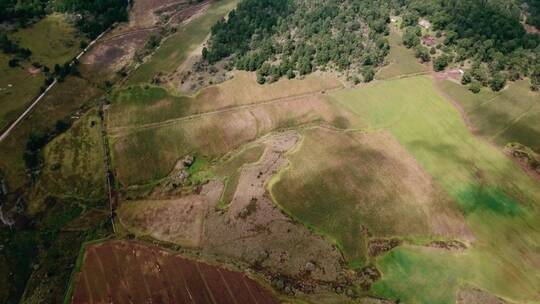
x=74, y=167
x=144, y=104
x=358, y=186
x=17, y=89
x=401, y=60
x=176, y=48
x=147, y=153
x=64, y=99
x=511, y=115
x=498, y=199
x=52, y=40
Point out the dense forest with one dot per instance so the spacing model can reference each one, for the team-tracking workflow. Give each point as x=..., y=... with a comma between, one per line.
x=94, y=15
x=289, y=38
x=486, y=37
x=295, y=37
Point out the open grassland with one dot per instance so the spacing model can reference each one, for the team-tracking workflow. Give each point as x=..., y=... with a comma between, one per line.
x=355, y=186
x=64, y=99
x=151, y=129
x=52, y=40
x=17, y=89
x=498, y=199
x=73, y=167
x=150, y=152
x=119, y=270
x=401, y=60
x=136, y=105
x=175, y=49
x=511, y=115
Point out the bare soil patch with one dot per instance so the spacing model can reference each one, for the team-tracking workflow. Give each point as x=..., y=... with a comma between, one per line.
x=471, y=295
x=180, y=221
x=131, y=272
x=254, y=231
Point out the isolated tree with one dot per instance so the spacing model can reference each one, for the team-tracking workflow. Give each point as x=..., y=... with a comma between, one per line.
x=497, y=82
x=440, y=63
x=466, y=78
x=475, y=87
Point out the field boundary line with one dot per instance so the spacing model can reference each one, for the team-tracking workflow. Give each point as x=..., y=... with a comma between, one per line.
x=136, y=128
x=78, y=265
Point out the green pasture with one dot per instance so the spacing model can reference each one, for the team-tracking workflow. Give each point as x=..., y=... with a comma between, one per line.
x=52, y=40
x=511, y=115
x=498, y=199
x=17, y=89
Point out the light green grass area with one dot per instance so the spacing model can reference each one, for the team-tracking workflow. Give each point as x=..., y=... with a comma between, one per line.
x=145, y=104
x=175, y=49
x=229, y=169
x=401, y=60
x=499, y=200
x=17, y=89
x=52, y=40
x=512, y=115
x=74, y=166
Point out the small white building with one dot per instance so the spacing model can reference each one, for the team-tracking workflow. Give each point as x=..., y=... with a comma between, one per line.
x=424, y=23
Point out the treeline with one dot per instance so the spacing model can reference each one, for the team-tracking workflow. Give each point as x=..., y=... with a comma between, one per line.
x=251, y=19
x=22, y=9
x=485, y=34
x=532, y=10
x=93, y=16
x=297, y=37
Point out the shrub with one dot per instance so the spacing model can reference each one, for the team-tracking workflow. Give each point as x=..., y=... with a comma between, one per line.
x=475, y=87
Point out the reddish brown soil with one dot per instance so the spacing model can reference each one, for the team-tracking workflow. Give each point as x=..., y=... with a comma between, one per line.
x=131, y=272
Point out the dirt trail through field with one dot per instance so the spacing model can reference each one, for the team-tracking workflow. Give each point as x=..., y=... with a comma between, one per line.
x=126, y=130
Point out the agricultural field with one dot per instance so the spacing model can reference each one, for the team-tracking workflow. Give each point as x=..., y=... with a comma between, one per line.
x=137, y=273
x=382, y=192
x=497, y=198
x=218, y=122
x=510, y=115
x=277, y=177
x=17, y=89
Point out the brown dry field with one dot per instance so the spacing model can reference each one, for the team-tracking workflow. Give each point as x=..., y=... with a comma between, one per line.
x=131, y=272
x=181, y=220
x=149, y=152
x=252, y=229
x=242, y=90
